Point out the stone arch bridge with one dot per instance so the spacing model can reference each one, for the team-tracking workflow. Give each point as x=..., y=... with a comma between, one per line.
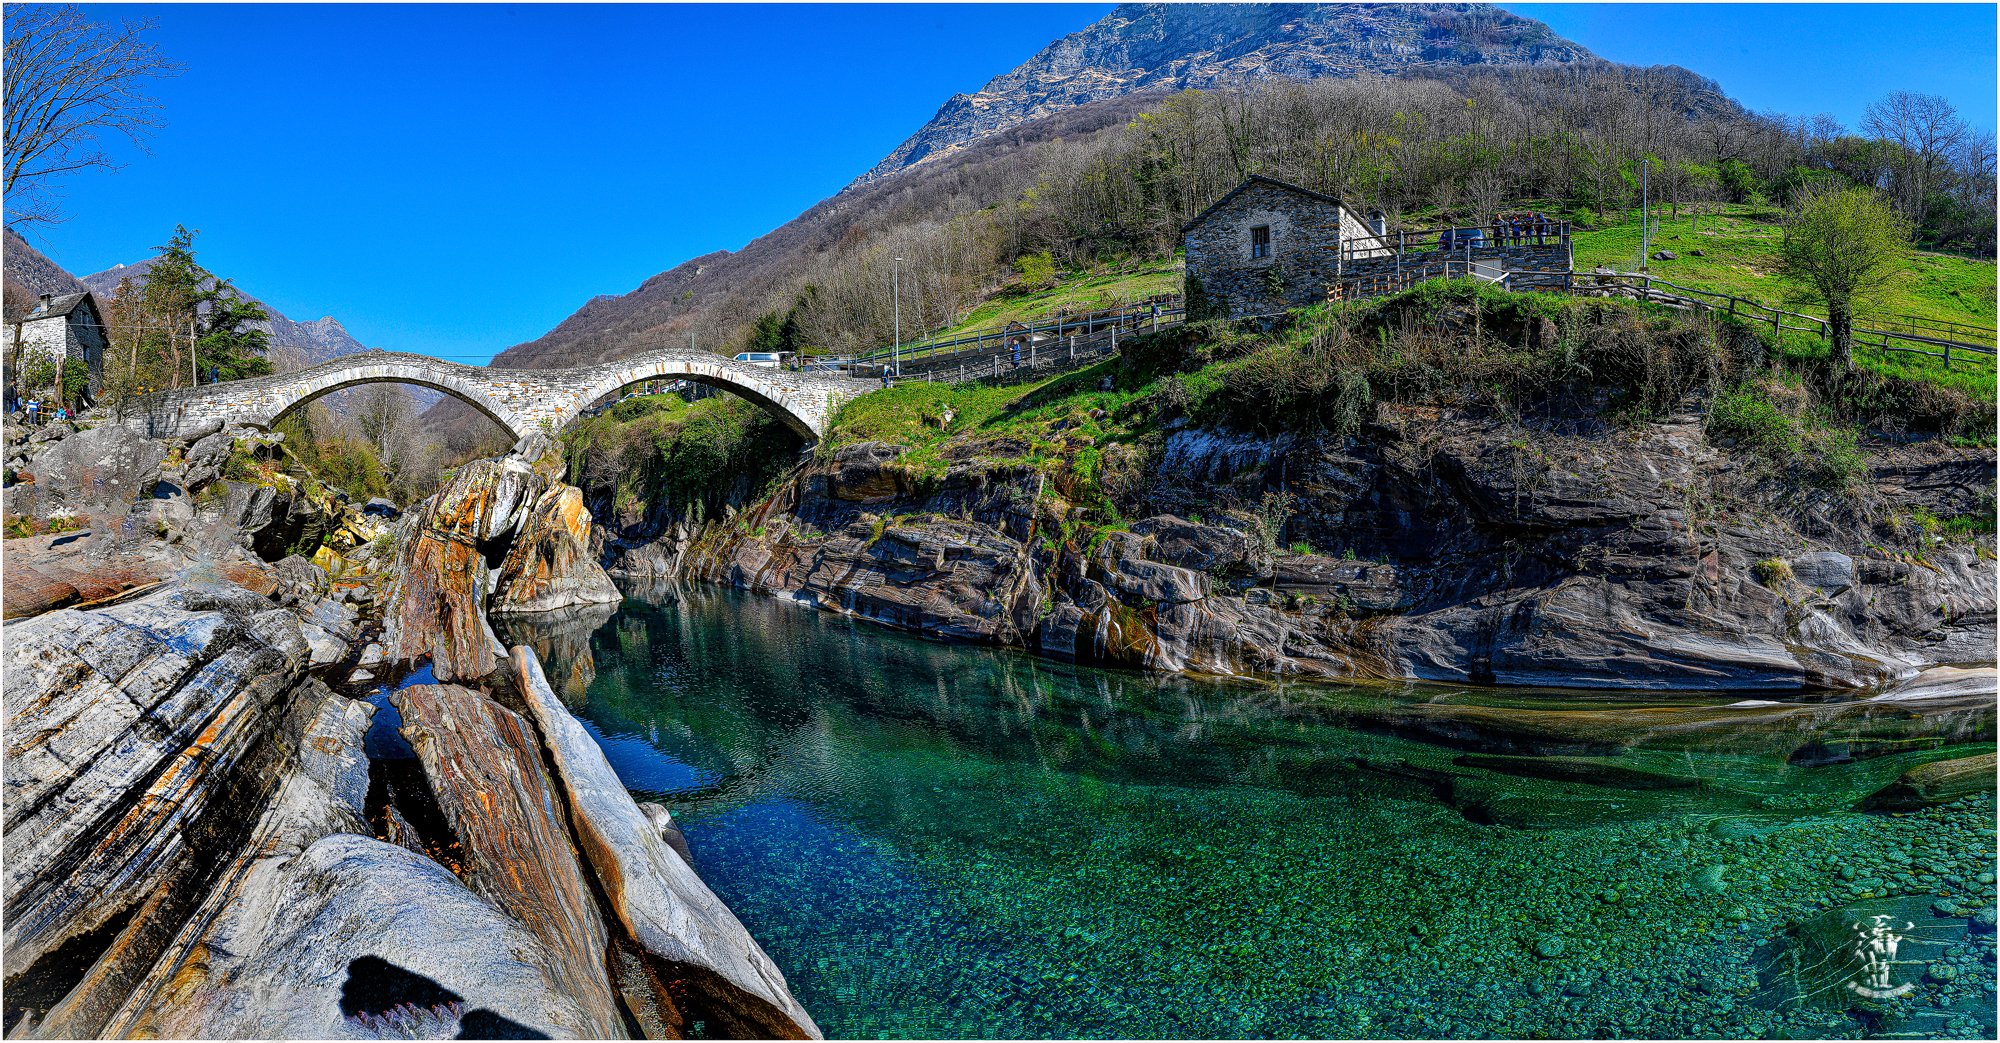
x=521, y=400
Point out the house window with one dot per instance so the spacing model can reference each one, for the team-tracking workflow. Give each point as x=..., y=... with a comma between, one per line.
x=1260, y=241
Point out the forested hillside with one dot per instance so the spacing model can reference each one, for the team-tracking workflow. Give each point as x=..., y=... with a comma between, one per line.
x=1115, y=179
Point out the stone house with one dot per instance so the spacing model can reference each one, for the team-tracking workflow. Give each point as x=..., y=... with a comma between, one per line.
x=66, y=326
x=1268, y=246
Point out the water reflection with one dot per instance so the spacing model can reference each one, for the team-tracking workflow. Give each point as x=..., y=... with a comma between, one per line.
x=936, y=840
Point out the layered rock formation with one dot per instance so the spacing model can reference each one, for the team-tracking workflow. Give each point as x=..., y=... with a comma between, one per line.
x=508, y=513
x=1450, y=548
x=197, y=841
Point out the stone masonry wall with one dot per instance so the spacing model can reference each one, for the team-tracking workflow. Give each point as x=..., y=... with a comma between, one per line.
x=1305, y=247
x=521, y=400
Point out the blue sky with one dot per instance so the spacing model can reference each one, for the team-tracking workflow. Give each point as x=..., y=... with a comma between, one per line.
x=458, y=179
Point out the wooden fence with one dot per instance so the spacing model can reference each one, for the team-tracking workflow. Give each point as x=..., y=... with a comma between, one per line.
x=974, y=346
x=1917, y=336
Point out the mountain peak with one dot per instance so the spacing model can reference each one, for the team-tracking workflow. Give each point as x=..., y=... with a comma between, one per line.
x=1170, y=47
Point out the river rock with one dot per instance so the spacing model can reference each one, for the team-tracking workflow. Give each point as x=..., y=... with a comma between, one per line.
x=125, y=727
x=484, y=767
x=549, y=565
x=324, y=790
x=655, y=892
x=102, y=471
x=204, y=460
x=504, y=509
x=1566, y=551
x=357, y=938
x=1936, y=783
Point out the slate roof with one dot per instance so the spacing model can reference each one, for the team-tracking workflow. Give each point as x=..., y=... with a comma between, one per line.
x=1252, y=180
x=61, y=305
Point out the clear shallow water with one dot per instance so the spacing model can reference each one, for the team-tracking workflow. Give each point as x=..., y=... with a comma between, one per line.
x=941, y=841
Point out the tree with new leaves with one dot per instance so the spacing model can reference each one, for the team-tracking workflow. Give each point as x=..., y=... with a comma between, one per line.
x=1842, y=246
x=71, y=82
x=181, y=326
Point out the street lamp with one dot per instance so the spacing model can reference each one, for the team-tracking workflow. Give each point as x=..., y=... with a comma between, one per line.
x=896, y=294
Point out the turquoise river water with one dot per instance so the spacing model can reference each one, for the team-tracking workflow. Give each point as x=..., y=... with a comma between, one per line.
x=935, y=840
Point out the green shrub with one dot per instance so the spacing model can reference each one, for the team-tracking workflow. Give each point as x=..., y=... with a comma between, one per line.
x=1773, y=572
x=1753, y=421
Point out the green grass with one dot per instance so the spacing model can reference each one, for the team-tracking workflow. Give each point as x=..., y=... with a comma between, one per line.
x=1014, y=423
x=1074, y=292
x=1740, y=257
x=1456, y=344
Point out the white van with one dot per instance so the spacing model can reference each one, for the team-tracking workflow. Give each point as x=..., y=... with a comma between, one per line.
x=764, y=359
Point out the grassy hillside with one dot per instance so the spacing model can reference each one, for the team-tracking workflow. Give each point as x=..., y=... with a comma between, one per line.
x=1469, y=347
x=1739, y=249
x=1093, y=290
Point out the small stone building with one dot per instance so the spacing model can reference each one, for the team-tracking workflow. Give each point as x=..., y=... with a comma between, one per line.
x=1268, y=246
x=66, y=326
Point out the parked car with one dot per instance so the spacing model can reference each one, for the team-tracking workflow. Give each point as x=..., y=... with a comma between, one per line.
x=1454, y=238
x=762, y=359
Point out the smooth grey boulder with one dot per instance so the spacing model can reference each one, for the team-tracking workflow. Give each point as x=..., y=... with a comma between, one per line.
x=352, y=914
x=654, y=892
x=1829, y=571
x=102, y=471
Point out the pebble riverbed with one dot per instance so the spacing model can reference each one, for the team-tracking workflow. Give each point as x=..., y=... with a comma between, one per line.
x=943, y=841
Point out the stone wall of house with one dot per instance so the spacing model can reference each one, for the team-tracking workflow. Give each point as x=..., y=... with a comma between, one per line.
x=1305, y=250
x=63, y=339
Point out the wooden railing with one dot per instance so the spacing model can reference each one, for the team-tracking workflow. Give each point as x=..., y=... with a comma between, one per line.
x=1913, y=339
x=968, y=347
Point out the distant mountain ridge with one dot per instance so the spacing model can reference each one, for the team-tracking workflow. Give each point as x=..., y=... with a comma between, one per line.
x=29, y=274
x=1168, y=47
x=297, y=344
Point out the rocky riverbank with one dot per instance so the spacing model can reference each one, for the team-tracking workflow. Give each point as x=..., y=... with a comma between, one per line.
x=203, y=835
x=1428, y=545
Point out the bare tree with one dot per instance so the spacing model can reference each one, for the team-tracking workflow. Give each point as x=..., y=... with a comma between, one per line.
x=68, y=81
x=1928, y=129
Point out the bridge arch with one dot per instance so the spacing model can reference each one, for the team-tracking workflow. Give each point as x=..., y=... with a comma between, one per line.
x=467, y=392
x=802, y=409
x=520, y=400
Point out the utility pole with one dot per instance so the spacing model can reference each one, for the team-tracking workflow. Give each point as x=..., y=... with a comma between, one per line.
x=1645, y=213
x=896, y=295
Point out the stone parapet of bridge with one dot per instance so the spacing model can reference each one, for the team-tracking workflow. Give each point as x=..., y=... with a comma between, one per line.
x=521, y=400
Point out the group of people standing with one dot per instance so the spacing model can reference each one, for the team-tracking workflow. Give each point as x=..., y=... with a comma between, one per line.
x=33, y=413
x=1520, y=229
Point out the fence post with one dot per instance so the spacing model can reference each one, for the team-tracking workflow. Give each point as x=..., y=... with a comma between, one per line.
x=1947, y=355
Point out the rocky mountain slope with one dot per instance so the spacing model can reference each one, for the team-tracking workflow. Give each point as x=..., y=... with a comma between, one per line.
x=29, y=274
x=1164, y=47
x=294, y=344
x=300, y=343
